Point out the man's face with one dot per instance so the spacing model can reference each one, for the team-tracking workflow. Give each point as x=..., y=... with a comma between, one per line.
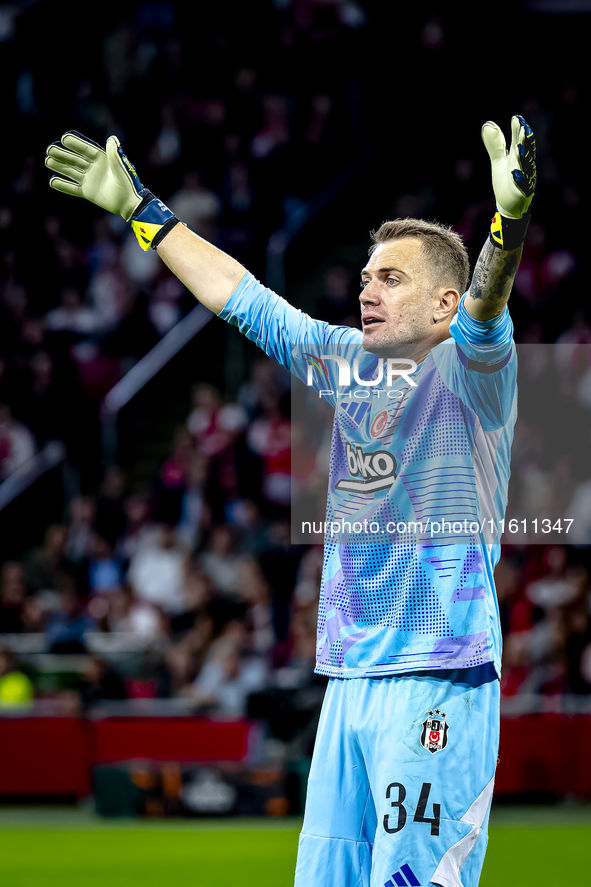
x=399, y=300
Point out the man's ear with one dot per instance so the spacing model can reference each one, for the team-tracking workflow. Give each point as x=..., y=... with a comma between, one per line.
x=448, y=301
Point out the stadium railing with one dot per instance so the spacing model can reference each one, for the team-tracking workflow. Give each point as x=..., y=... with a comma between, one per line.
x=20, y=480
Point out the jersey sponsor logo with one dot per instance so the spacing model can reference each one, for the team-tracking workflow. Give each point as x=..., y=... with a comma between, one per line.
x=434, y=733
x=370, y=472
x=404, y=877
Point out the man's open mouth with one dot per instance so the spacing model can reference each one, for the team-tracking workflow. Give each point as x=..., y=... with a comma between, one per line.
x=370, y=321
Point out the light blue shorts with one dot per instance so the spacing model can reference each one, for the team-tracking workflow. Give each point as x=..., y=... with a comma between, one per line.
x=401, y=781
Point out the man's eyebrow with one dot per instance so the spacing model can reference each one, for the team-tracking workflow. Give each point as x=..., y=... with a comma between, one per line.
x=386, y=271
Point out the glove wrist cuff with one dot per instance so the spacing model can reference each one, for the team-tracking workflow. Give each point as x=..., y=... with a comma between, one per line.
x=146, y=198
x=151, y=220
x=507, y=234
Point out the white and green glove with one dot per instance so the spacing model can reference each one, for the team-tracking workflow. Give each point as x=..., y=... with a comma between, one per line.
x=513, y=178
x=107, y=178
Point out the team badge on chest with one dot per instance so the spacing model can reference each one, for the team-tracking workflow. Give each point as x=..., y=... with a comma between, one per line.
x=434, y=733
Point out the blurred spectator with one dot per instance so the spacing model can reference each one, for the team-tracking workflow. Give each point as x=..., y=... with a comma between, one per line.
x=13, y=294
x=109, y=512
x=68, y=622
x=13, y=591
x=157, y=573
x=274, y=132
x=140, y=530
x=195, y=514
x=48, y=399
x=237, y=186
x=45, y=566
x=33, y=615
x=104, y=571
x=269, y=436
x=216, y=429
x=101, y=681
x=72, y=316
x=307, y=587
x=198, y=206
x=221, y=562
x=253, y=530
x=579, y=509
x=109, y=290
x=542, y=624
x=174, y=477
x=167, y=147
x=561, y=585
x=266, y=378
x=125, y=612
x=97, y=373
x=139, y=267
x=17, y=444
x=258, y=618
x=280, y=561
x=230, y=674
x=81, y=532
x=164, y=303
x=201, y=420
x=192, y=634
x=213, y=425
x=340, y=303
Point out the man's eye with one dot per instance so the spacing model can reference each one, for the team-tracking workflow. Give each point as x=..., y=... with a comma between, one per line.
x=392, y=281
x=364, y=284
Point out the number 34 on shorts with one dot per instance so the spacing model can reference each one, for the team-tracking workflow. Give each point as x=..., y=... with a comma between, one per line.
x=395, y=822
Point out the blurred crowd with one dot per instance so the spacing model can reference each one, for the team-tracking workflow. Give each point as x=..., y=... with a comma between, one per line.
x=545, y=602
x=233, y=150
x=200, y=567
x=236, y=133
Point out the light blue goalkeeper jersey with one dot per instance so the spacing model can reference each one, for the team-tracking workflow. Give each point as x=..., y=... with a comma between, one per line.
x=423, y=467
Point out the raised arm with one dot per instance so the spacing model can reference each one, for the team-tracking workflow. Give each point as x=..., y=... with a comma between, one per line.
x=210, y=274
x=514, y=181
x=492, y=281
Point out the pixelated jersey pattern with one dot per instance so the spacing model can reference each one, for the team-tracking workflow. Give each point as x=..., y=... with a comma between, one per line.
x=412, y=597
x=426, y=603
x=442, y=426
x=397, y=592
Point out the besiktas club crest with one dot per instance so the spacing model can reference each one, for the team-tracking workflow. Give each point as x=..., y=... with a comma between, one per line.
x=434, y=734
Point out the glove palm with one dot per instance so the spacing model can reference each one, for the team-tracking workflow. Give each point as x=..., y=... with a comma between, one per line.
x=105, y=177
x=513, y=170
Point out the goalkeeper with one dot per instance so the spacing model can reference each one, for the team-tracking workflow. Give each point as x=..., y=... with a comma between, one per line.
x=408, y=632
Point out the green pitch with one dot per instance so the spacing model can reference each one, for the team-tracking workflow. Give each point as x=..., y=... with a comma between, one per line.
x=51, y=852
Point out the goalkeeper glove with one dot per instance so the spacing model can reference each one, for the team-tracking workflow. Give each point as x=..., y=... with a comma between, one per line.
x=514, y=180
x=107, y=178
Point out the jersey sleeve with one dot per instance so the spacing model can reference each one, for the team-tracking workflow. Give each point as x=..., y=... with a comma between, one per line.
x=494, y=336
x=285, y=333
x=479, y=364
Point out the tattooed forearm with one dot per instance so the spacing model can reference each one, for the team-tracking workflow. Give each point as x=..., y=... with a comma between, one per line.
x=493, y=279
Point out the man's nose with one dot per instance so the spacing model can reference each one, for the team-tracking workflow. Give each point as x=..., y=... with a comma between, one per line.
x=369, y=295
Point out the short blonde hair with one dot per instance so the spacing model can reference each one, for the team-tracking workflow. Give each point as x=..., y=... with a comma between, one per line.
x=444, y=249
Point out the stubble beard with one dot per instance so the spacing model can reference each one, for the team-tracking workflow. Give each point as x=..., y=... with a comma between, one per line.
x=409, y=344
